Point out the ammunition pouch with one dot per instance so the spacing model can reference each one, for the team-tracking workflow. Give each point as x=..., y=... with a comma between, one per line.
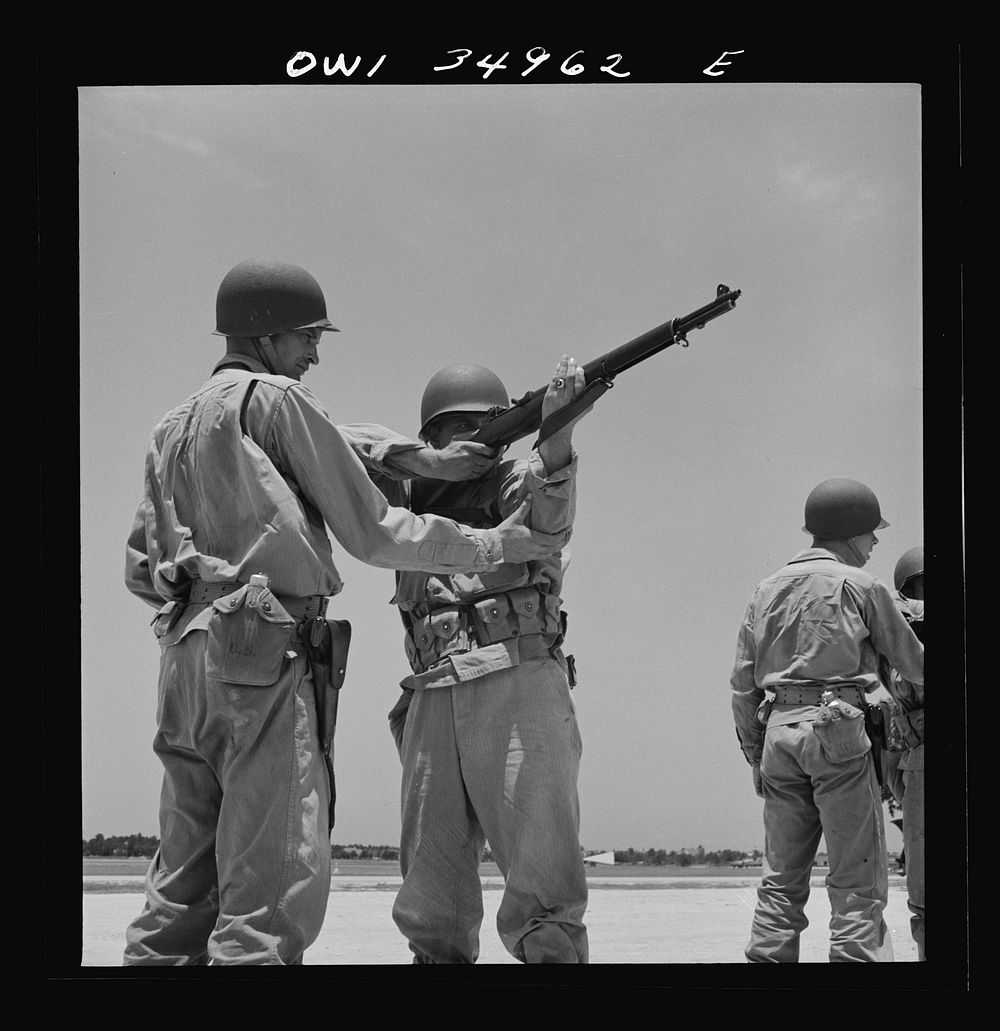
x=842, y=737
x=248, y=637
x=475, y=624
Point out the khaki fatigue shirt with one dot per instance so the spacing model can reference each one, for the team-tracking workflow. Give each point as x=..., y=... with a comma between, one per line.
x=816, y=622
x=240, y=482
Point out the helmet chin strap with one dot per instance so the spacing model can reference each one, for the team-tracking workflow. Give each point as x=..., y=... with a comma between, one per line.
x=268, y=356
x=854, y=551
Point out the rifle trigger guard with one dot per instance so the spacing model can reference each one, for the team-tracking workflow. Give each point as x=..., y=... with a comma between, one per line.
x=682, y=339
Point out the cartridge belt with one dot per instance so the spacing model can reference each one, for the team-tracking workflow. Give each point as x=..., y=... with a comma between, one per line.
x=207, y=591
x=809, y=694
x=466, y=626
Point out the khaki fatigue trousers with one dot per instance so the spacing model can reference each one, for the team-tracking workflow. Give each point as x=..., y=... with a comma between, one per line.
x=912, y=766
x=805, y=797
x=496, y=759
x=242, y=875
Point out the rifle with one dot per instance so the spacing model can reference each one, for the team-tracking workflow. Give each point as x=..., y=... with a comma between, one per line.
x=507, y=425
x=525, y=414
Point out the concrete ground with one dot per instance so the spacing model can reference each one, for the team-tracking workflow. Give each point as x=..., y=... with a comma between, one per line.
x=654, y=920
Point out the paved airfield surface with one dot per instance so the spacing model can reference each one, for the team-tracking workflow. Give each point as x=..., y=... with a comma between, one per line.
x=631, y=918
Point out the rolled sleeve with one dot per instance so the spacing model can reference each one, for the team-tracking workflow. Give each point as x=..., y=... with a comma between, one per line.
x=329, y=472
x=553, y=496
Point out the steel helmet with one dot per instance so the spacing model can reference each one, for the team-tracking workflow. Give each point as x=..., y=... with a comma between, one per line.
x=257, y=298
x=462, y=388
x=839, y=509
x=910, y=565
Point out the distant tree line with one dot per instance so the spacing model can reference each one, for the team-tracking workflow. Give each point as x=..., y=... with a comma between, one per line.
x=684, y=857
x=121, y=845
x=364, y=852
x=138, y=845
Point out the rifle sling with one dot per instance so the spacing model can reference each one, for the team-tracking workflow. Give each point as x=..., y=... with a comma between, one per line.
x=590, y=393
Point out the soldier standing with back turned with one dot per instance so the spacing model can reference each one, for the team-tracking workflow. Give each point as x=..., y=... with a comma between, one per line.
x=807, y=655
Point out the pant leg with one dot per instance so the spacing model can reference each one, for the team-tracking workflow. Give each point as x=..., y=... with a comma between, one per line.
x=273, y=843
x=181, y=886
x=850, y=805
x=792, y=831
x=520, y=752
x=439, y=907
x=913, y=844
x=244, y=784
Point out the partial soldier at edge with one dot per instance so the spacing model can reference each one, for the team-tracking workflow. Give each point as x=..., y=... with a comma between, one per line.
x=905, y=762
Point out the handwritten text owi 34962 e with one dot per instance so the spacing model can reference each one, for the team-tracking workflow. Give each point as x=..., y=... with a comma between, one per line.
x=572, y=65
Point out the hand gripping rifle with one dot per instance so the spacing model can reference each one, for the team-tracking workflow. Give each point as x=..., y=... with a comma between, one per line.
x=524, y=416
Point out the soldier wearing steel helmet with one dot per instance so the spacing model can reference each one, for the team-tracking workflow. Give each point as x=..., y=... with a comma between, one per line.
x=230, y=547
x=486, y=728
x=907, y=757
x=808, y=653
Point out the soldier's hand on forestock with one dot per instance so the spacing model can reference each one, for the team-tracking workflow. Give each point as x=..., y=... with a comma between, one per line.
x=522, y=544
x=758, y=783
x=564, y=386
x=461, y=460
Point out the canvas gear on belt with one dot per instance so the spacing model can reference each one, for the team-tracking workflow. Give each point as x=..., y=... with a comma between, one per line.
x=480, y=622
x=207, y=591
x=876, y=714
x=325, y=642
x=807, y=694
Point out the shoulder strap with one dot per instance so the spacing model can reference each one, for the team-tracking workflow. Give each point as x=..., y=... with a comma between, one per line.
x=243, y=408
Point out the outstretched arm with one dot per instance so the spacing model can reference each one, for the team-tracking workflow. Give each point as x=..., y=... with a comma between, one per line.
x=389, y=455
x=320, y=460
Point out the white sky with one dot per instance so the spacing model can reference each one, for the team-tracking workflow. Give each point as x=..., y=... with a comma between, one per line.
x=503, y=226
